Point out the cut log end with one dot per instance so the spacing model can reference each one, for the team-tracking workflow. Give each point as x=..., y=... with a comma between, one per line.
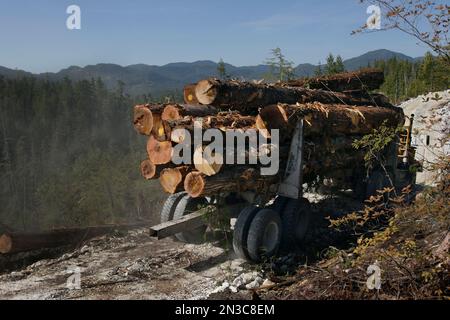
x=189, y=94
x=158, y=127
x=5, y=244
x=194, y=184
x=143, y=120
x=170, y=179
x=206, y=92
x=178, y=134
x=262, y=127
x=274, y=117
x=170, y=113
x=190, y=98
x=148, y=169
x=206, y=162
x=159, y=152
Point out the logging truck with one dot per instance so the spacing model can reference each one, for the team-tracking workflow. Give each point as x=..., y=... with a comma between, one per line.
x=278, y=217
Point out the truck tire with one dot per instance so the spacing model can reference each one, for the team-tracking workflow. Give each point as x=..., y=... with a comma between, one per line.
x=264, y=235
x=185, y=206
x=170, y=205
x=279, y=204
x=240, y=233
x=295, y=221
x=304, y=218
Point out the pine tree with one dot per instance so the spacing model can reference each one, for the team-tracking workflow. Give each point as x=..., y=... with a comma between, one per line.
x=318, y=71
x=221, y=69
x=281, y=69
x=330, y=66
x=334, y=65
x=339, y=65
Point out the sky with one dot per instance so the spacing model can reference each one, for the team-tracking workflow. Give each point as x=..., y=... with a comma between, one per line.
x=34, y=36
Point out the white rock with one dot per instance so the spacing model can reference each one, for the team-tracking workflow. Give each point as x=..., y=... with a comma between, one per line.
x=248, y=277
x=259, y=280
x=222, y=288
x=233, y=289
x=252, y=285
x=233, y=223
x=267, y=283
x=238, y=270
x=238, y=282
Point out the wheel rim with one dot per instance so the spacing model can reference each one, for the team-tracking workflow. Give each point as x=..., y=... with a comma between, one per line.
x=271, y=233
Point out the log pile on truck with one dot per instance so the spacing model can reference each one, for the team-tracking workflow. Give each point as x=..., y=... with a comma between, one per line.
x=335, y=111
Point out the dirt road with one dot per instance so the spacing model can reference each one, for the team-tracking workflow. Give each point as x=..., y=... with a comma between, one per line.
x=133, y=266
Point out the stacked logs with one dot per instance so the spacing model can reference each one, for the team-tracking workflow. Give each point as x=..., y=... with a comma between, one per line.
x=336, y=110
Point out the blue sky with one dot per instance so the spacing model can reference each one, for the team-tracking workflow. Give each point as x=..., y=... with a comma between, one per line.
x=34, y=37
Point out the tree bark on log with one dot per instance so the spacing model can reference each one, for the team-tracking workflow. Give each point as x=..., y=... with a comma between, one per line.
x=233, y=179
x=223, y=121
x=21, y=242
x=159, y=152
x=323, y=119
x=249, y=97
x=179, y=111
x=362, y=80
x=171, y=179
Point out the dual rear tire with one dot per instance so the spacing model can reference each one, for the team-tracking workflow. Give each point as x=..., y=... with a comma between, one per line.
x=261, y=232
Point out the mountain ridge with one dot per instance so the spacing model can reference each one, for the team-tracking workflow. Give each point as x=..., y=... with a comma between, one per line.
x=143, y=78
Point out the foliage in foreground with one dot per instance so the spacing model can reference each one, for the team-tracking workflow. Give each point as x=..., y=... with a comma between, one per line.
x=408, y=242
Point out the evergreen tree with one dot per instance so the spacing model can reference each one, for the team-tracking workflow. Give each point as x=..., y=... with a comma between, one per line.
x=68, y=155
x=330, y=66
x=318, y=71
x=221, y=69
x=281, y=69
x=405, y=79
x=339, y=65
x=334, y=65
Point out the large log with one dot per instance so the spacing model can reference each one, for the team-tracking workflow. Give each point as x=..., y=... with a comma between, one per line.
x=249, y=97
x=151, y=171
x=223, y=121
x=233, y=179
x=189, y=94
x=362, y=80
x=178, y=111
x=20, y=242
x=159, y=152
x=207, y=165
x=171, y=179
x=147, y=119
x=142, y=119
x=148, y=169
x=323, y=119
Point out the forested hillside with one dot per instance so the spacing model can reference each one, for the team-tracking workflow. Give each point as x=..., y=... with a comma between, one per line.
x=66, y=149
x=405, y=79
x=170, y=78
